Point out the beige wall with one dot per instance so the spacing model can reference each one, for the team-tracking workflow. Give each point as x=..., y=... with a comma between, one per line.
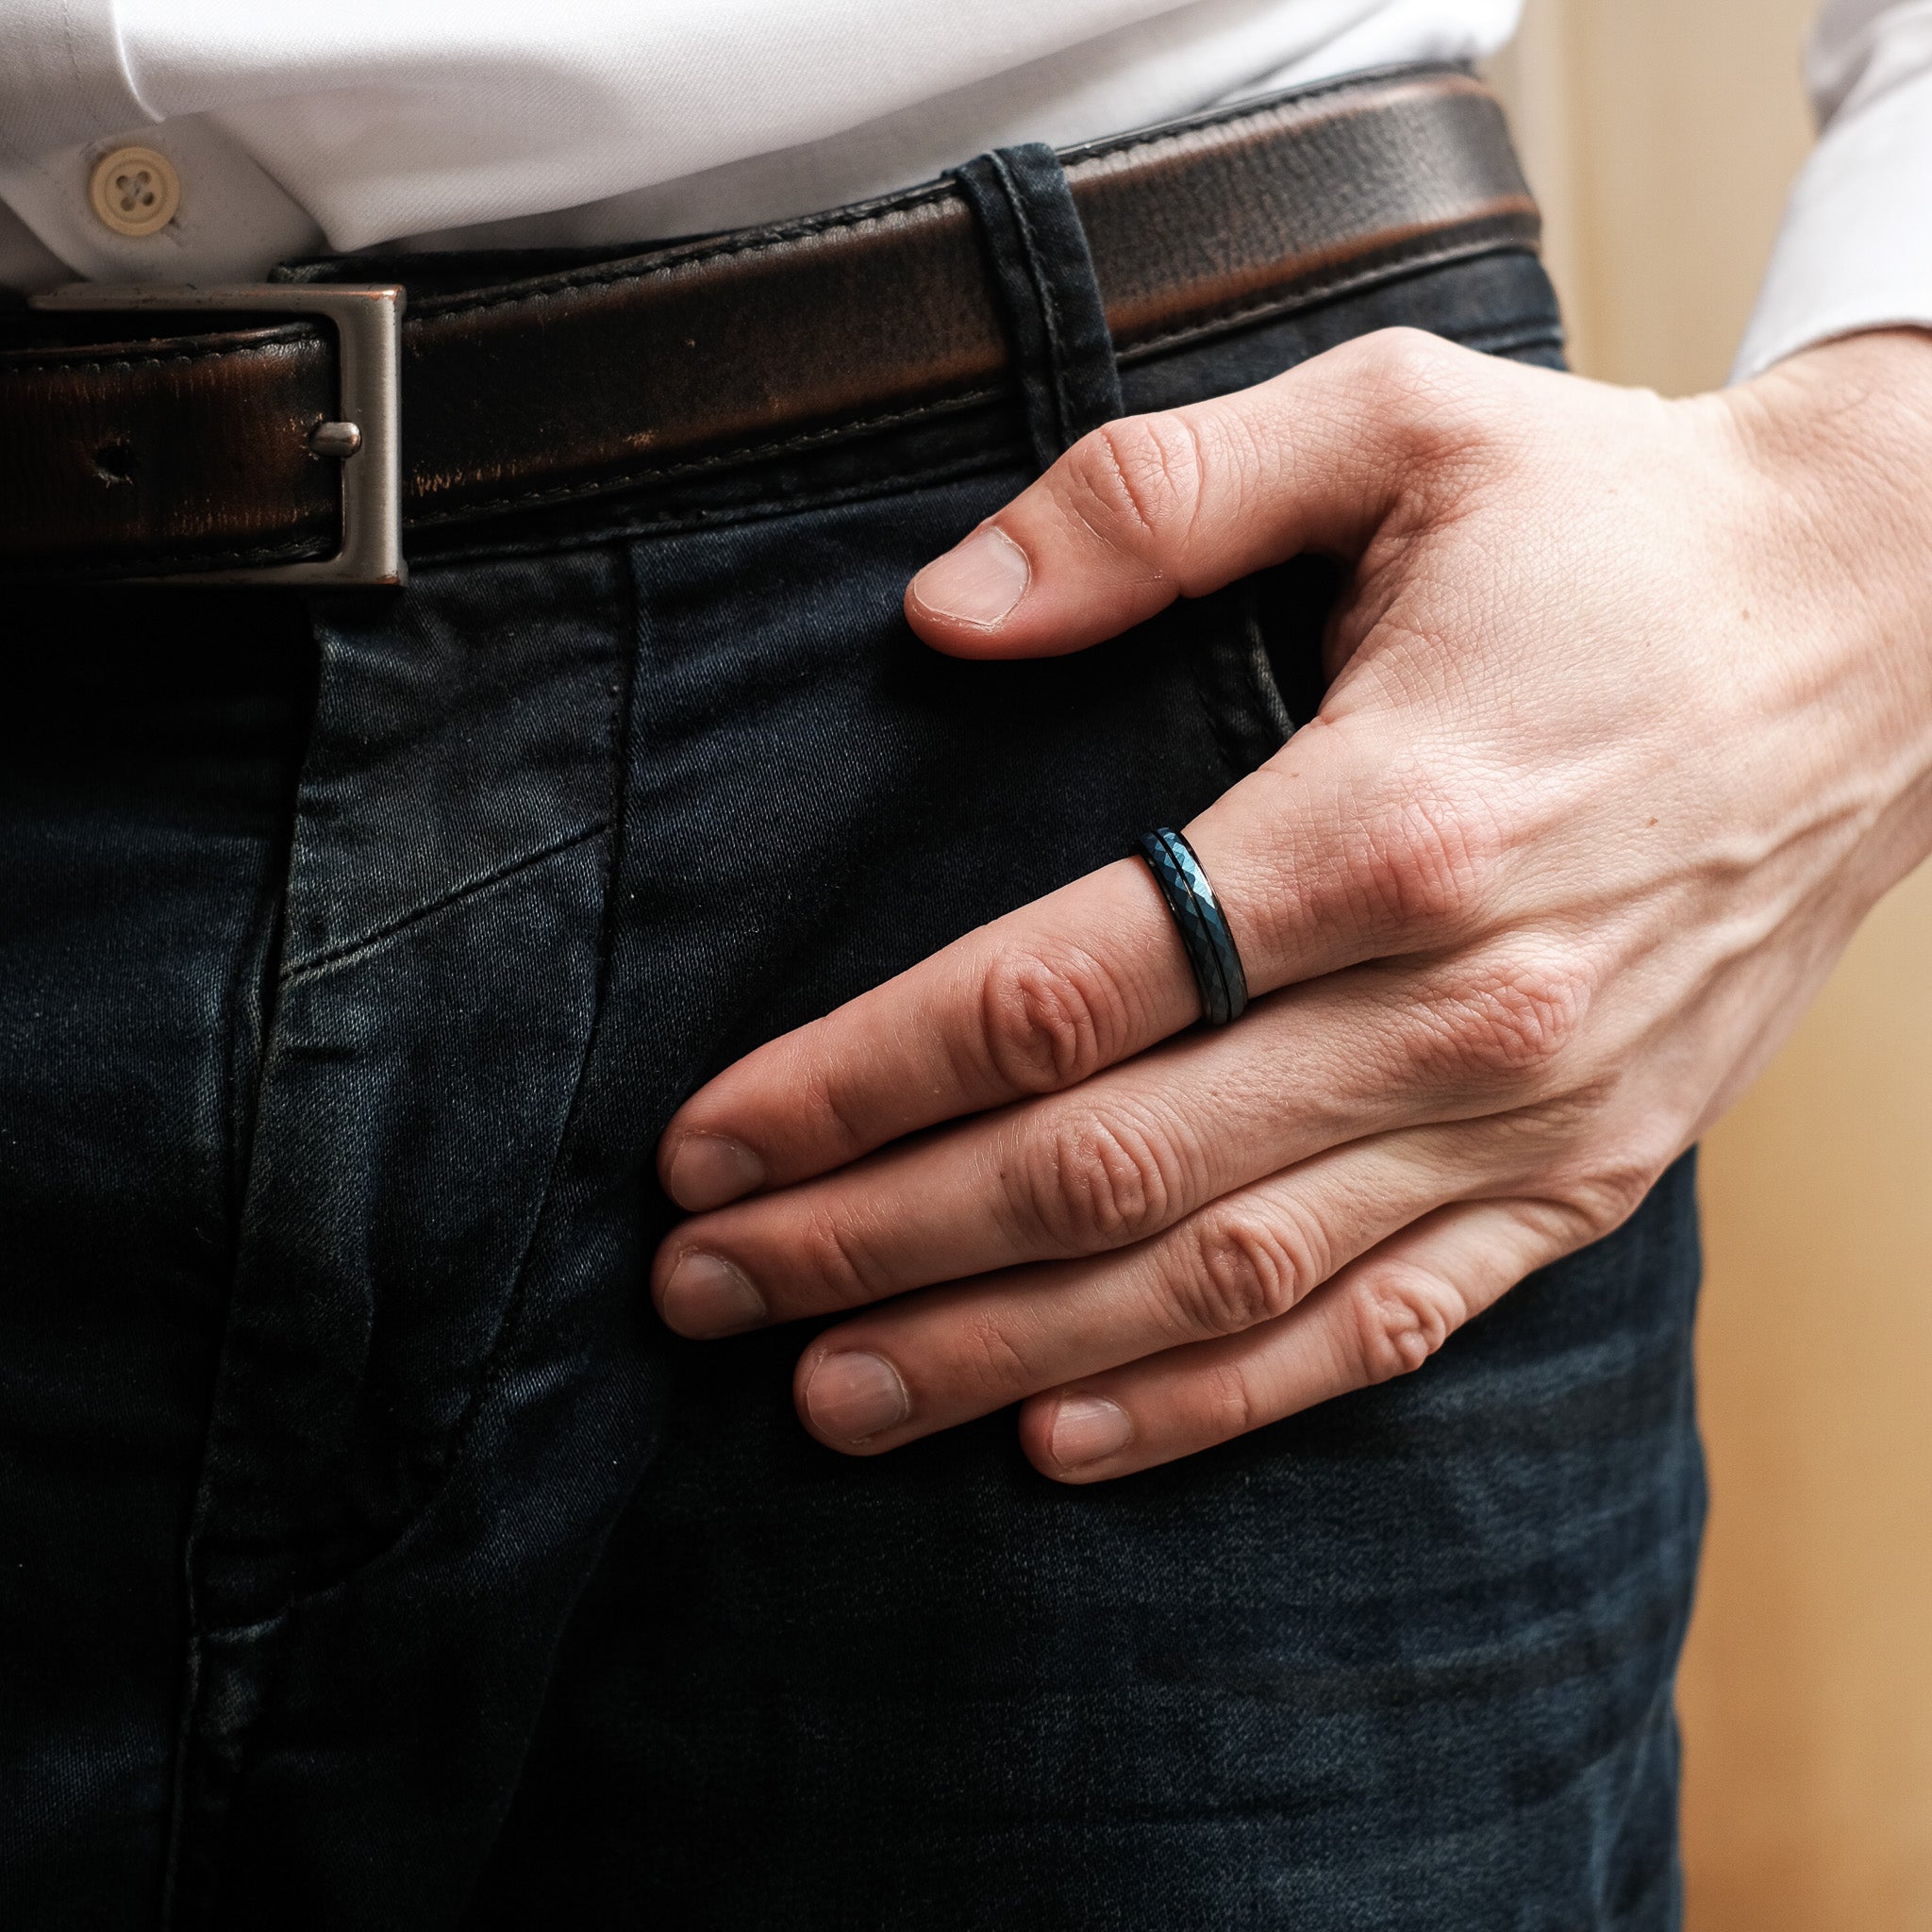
x=1661, y=135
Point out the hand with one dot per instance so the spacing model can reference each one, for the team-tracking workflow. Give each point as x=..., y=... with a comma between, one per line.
x=1630, y=724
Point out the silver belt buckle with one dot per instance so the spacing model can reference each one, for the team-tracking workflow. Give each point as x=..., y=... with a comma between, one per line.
x=366, y=440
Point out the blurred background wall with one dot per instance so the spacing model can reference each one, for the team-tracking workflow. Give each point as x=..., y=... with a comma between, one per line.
x=1661, y=135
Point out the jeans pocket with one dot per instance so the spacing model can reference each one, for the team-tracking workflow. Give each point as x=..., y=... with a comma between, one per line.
x=1257, y=656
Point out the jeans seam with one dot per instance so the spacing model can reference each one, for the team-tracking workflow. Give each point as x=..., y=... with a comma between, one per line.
x=347, y=950
x=250, y=1001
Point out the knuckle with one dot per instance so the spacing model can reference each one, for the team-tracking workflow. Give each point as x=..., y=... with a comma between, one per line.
x=831, y=1261
x=1431, y=388
x=1050, y=1020
x=1229, y=1403
x=1553, y=1132
x=1405, y=361
x=1603, y=1191
x=1508, y=1023
x=984, y=1361
x=1401, y=1315
x=1245, y=1268
x=1429, y=863
x=1095, y=1184
x=1582, y=1154
x=843, y=1125
x=1137, y=483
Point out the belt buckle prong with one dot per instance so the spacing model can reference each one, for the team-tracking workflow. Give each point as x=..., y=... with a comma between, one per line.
x=365, y=441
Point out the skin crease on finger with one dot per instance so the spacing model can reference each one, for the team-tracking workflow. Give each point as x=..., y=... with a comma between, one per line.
x=1631, y=723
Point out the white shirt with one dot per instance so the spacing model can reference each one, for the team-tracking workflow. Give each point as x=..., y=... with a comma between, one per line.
x=302, y=125
x=1856, y=249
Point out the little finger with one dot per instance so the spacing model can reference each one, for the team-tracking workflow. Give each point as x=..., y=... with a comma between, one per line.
x=1382, y=1316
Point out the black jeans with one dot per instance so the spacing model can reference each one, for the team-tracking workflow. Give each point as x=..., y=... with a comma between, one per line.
x=371, y=1558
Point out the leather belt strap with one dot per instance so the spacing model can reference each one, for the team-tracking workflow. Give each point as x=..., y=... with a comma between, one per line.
x=191, y=451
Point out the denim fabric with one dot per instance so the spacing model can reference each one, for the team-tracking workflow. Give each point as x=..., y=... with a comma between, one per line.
x=374, y=1558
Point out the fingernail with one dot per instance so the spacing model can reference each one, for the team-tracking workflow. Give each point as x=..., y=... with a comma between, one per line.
x=977, y=583
x=851, y=1396
x=1086, y=1427
x=708, y=1170
x=707, y=1297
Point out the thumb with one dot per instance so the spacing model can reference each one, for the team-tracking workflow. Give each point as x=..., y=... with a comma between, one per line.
x=1180, y=502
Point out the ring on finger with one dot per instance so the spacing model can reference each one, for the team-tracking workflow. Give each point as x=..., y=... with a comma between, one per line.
x=1212, y=954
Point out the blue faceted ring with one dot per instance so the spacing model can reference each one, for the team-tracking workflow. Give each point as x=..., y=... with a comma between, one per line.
x=1211, y=950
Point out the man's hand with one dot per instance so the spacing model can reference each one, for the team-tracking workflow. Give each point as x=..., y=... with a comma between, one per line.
x=1631, y=723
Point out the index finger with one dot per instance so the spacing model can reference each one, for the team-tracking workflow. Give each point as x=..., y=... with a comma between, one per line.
x=1032, y=1003
x=1330, y=855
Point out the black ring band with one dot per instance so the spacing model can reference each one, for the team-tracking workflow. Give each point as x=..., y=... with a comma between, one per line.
x=1211, y=950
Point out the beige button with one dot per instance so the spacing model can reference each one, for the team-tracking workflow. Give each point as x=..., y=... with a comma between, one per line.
x=135, y=191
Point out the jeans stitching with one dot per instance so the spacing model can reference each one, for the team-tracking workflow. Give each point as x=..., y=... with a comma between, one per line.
x=1044, y=294
x=347, y=950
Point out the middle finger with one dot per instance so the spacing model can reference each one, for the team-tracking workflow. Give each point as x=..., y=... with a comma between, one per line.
x=1123, y=1155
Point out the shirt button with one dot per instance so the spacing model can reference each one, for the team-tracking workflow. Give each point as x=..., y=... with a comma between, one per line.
x=135, y=191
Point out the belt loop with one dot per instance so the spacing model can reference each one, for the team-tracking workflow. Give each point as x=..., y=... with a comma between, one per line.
x=1055, y=320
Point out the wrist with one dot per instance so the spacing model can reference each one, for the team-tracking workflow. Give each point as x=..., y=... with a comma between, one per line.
x=1836, y=443
x=1842, y=434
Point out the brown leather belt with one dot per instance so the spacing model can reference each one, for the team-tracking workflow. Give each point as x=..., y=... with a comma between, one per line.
x=196, y=452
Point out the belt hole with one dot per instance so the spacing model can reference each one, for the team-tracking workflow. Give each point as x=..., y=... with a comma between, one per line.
x=114, y=463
